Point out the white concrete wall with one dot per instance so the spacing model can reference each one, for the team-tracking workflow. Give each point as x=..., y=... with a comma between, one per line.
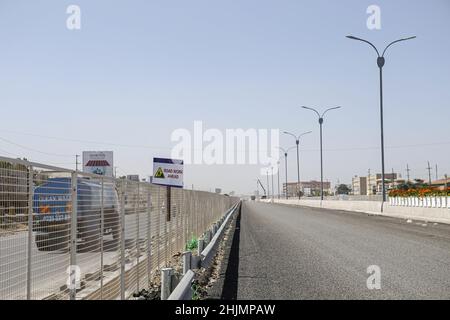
x=441, y=215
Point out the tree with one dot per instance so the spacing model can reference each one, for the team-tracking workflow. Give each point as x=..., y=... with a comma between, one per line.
x=343, y=189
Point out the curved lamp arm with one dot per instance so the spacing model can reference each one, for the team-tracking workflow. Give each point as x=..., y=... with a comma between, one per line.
x=291, y=134
x=312, y=109
x=390, y=44
x=291, y=148
x=369, y=43
x=303, y=134
x=323, y=114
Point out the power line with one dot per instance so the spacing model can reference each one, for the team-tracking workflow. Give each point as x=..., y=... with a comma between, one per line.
x=35, y=150
x=249, y=151
x=11, y=154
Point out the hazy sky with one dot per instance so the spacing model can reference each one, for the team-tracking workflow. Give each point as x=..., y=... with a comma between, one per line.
x=138, y=70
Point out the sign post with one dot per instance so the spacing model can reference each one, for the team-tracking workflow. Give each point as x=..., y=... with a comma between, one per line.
x=168, y=173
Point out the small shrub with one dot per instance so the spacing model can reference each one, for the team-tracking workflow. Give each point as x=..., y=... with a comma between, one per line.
x=192, y=244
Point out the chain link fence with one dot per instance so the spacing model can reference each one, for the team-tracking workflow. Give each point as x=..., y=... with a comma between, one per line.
x=72, y=235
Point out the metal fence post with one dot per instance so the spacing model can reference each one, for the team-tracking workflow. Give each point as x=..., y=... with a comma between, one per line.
x=138, y=251
x=167, y=241
x=73, y=235
x=30, y=228
x=183, y=214
x=149, y=238
x=122, y=240
x=102, y=230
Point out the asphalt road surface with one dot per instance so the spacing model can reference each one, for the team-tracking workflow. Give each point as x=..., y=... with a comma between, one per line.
x=284, y=252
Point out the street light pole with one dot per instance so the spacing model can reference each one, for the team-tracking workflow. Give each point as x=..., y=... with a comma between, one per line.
x=285, y=151
x=321, y=149
x=298, y=171
x=285, y=164
x=297, y=142
x=273, y=190
x=321, y=160
x=278, y=171
x=380, y=63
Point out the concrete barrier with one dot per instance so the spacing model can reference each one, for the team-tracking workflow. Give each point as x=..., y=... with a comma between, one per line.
x=441, y=215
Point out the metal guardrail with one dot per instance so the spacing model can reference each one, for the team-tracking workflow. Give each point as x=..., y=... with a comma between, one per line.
x=72, y=235
x=183, y=290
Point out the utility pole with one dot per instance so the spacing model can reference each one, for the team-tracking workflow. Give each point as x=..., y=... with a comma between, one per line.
x=268, y=190
x=393, y=179
x=436, y=173
x=446, y=188
x=429, y=173
x=407, y=172
x=76, y=161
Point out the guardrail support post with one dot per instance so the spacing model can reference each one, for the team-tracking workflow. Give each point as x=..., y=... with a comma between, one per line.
x=201, y=246
x=30, y=228
x=186, y=261
x=207, y=237
x=73, y=237
x=166, y=282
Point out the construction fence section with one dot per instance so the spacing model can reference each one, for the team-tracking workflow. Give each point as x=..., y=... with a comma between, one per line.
x=72, y=235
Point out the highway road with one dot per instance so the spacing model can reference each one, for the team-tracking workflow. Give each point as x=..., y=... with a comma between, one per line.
x=284, y=252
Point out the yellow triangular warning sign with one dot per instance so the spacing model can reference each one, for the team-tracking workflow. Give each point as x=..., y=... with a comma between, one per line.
x=159, y=173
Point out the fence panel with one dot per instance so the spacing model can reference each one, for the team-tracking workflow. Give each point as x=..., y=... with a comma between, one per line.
x=73, y=235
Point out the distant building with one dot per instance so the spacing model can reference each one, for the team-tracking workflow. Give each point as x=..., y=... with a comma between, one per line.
x=218, y=190
x=308, y=188
x=441, y=183
x=133, y=177
x=359, y=186
x=374, y=182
